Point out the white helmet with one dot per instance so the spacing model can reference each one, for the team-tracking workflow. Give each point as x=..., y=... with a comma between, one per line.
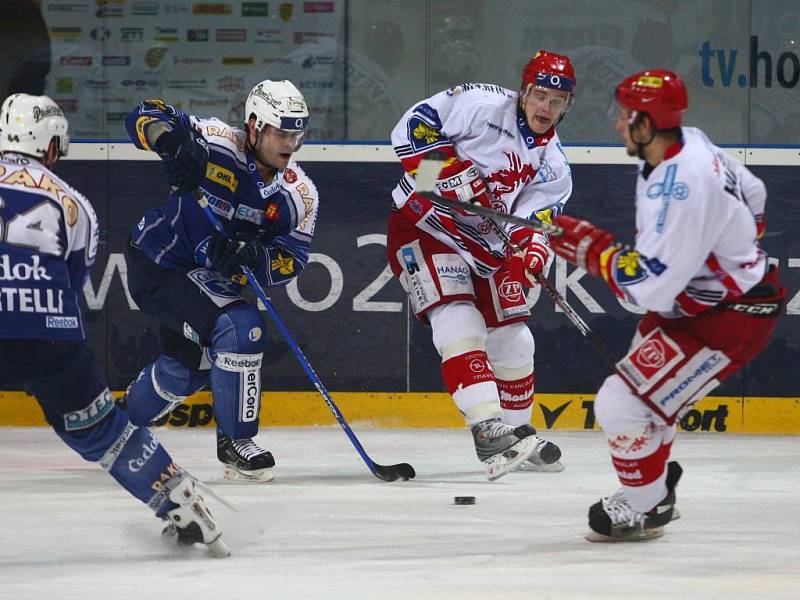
x=277, y=103
x=28, y=123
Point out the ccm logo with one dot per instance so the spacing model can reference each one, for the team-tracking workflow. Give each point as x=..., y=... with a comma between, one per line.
x=759, y=310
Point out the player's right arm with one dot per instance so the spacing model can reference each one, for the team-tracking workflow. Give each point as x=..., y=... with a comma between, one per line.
x=436, y=124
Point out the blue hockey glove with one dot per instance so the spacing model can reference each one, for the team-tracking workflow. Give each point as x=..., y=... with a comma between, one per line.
x=185, y=156
x=228, y=256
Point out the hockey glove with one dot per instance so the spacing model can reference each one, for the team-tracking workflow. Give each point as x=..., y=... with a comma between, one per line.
x=529, y=263
x=228, y=256
x=185, y=156
x=460, y=180
x=584, y=245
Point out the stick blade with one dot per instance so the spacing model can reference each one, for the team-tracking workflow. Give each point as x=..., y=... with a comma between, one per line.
x=394, y=472
x=428, y=171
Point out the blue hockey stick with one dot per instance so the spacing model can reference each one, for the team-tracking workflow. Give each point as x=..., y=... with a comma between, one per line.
x=385, y=472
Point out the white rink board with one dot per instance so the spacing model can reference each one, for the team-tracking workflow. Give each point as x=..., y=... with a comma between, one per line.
x=334, y=531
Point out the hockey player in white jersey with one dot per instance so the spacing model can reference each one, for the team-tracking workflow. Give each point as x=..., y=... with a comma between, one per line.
x=188, y=276
x=697, y=268
x=462, y=278
x=48, y=243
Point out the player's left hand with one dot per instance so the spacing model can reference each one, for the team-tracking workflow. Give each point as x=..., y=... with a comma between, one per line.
x=529, y=263
x=582, y=243
x=228, y=256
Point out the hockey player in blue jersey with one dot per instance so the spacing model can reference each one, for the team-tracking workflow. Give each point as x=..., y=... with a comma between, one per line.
x=48, y=243
x=181, y=271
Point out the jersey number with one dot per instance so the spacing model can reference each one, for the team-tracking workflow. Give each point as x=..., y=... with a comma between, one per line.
x=35, y=229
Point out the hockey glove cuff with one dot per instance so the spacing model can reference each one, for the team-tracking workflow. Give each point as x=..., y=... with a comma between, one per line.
x=460, y=180
x=584, y=245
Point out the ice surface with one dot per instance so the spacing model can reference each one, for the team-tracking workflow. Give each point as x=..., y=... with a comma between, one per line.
x=332, y=530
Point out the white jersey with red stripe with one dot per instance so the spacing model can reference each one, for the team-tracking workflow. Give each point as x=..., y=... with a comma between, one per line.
x=696, y=233
x=525, y=173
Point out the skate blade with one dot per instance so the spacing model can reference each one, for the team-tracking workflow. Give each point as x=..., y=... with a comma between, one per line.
x=258, y=476
x=537, y=467
x=218, y=548
x=636, y=536
x=508, y=460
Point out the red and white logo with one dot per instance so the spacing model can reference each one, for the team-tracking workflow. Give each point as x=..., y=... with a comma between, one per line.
x=289, y=176
x=506, y=181
x=654, y=354
x=510, y=290
x=476, y=365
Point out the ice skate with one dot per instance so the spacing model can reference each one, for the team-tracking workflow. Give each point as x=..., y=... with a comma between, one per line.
x=502, y=447
x=536, y=463
x=612, y=519
x=244, y=460
x=190, y=522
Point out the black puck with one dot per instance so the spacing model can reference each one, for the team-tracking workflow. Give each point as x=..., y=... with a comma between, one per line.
x=464, y=499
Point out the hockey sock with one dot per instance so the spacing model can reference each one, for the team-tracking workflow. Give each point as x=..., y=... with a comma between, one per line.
x=132, y=455
x=161, y=387
x=516, y=396
x=471, y=383
x=641, y=468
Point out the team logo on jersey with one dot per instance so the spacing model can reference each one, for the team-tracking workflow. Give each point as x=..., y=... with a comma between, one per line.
x=424, y=128
x=283, y=264
x=423, y=134
x=289, y=176
x=506, y=181
x=667, y=189
x=628, y=267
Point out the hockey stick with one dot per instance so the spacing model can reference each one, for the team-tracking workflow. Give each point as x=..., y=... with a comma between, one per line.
x=427, y=174
x=385, y=472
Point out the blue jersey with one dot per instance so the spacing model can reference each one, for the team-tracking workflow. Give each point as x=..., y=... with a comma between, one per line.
x=48, y=242
x=281, y=213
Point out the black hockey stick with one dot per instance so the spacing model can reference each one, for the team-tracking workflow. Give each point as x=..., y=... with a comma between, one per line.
x=427, y=174
x=385, y=472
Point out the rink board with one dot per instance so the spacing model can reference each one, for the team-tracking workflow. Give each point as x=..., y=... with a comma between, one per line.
x=719, y=414
x=352, y=320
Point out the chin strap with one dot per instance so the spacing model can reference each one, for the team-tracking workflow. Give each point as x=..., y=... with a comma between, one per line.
x=640, y=146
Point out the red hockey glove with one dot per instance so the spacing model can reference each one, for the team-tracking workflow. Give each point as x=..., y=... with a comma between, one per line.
x=533, y=259
x=460, y=180
x=582, y=244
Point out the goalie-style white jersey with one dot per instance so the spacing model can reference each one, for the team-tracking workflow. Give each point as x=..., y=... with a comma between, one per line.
x=525, y=174
x=48, y=243
x=696, y=232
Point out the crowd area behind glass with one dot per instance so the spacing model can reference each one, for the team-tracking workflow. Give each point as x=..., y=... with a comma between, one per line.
x=360, y=63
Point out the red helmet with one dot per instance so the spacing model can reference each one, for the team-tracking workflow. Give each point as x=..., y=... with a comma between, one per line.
x=550, y=70
x=659, y=93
